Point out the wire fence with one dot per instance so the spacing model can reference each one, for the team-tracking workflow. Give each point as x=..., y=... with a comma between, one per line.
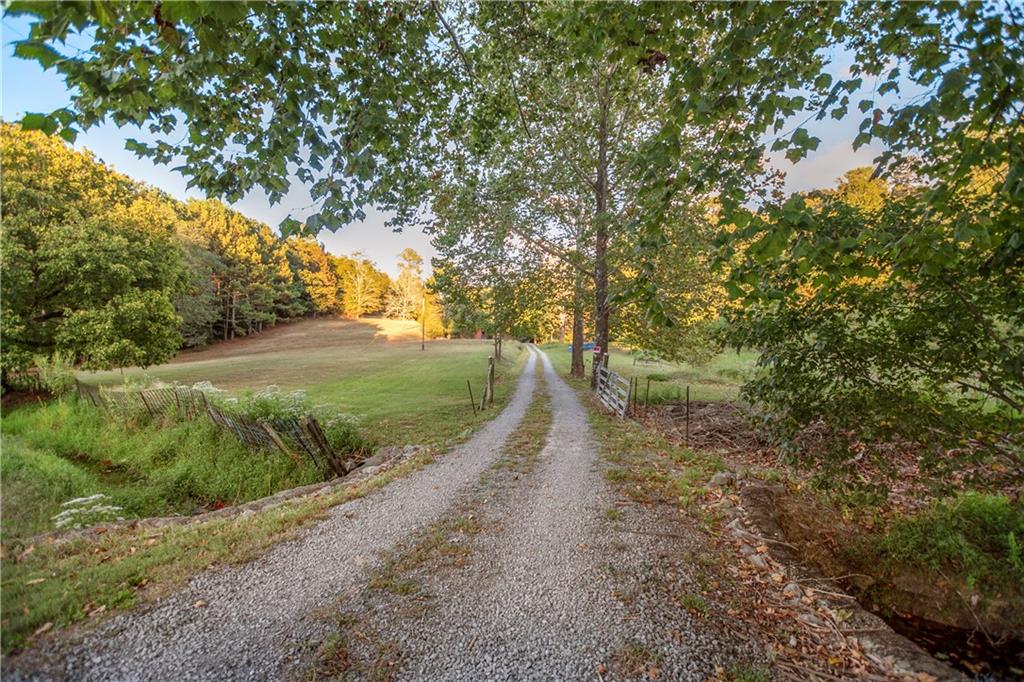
x=294, y=436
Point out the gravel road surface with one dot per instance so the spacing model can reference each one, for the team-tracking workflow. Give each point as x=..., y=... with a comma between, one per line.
x=555, y=589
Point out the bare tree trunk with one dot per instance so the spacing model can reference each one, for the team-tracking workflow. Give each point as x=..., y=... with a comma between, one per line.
x=601, y=241
x=227, y=317
x=234, y=306
x=576, y=368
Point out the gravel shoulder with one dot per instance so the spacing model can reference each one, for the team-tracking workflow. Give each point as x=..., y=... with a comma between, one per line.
x=565, y=580
x=248, y=621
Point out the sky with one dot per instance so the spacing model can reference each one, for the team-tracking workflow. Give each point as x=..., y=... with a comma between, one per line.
x=27, y=88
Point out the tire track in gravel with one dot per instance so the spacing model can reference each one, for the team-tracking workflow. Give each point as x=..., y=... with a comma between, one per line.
x=553, y=589
x=261, y=614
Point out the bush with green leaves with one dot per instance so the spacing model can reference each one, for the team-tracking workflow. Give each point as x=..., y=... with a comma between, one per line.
x=272, y=403
x=57, y=373
x=882, y=322
x=342, y=431
x=980, y=536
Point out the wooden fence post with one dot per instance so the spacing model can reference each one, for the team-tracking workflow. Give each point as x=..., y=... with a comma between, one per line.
x=142, y=395
x=687, y=415
x=318, y=437
x=279, y=443
x=472, y=403
x=490, y=380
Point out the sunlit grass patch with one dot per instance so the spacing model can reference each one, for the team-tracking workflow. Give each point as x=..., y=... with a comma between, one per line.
x=719, y=379
x=401, y=394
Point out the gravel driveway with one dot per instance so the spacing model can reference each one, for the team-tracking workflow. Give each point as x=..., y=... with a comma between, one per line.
x=259, y=615
x=554, y=588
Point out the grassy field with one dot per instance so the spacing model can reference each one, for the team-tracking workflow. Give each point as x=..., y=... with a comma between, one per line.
x=372, y=368
x=719, y=379
x=66, y=449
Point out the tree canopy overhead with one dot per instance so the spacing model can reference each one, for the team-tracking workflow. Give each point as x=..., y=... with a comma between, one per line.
x=345, y=97
x=608, y=141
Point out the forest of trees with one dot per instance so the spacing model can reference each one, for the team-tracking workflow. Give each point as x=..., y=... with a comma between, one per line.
x=110, y=272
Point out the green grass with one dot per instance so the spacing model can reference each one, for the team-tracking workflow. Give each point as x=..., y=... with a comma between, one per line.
x=695, y=603
x=68, y=449
x=443, y=544
x=401, y=394
x=719, y=379
x=646, y=466
x=977, y=536
x=62, y=583
x=747, y=673
x=524, y=445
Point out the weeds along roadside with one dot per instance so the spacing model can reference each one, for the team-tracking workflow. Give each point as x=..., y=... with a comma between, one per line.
x=955, y=560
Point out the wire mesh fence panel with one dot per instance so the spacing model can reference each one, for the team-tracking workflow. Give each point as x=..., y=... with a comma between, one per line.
x=247, y=430
x=292, y=432
x=292, y=436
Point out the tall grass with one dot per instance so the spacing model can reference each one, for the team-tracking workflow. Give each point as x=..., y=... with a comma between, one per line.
x=976, y=535
x=67, y=449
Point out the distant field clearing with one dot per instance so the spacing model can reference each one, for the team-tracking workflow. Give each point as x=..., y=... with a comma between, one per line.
x=372, y=368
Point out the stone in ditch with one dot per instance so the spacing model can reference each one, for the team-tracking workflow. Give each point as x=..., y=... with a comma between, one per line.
x=722, y=479
x=758, y=561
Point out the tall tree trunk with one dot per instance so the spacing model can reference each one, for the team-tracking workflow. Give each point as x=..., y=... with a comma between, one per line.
x=234, y=307
x=601, y=243
x=576, y=368
x=227, y=317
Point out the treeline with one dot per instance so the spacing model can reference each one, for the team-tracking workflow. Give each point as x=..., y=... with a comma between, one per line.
x=110, y=272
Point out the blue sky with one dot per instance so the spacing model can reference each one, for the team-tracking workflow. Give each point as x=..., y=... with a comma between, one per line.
x=27, y=88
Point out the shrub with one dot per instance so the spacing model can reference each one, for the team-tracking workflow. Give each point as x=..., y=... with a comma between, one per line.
x=976, y=534
x=342, y=431
x=270, y=403
x=57, y=373
x=273, y=403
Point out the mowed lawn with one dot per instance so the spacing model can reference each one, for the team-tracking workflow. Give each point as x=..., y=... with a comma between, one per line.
x=719, y=379
x=371, y=368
